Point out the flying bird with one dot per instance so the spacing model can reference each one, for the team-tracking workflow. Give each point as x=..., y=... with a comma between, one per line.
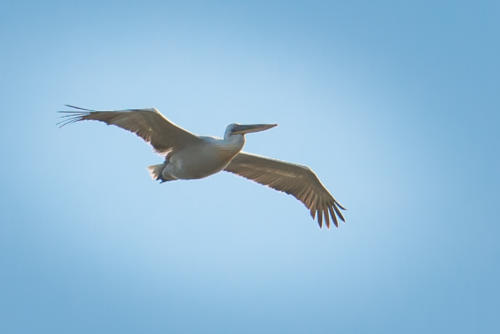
x=188, y=156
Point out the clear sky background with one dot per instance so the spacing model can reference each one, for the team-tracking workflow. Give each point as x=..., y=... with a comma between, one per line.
x=395, y=105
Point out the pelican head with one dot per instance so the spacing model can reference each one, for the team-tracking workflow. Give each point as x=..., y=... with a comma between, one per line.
x=242, y=129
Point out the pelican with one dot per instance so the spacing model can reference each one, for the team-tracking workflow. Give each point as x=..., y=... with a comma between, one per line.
x=188, y=156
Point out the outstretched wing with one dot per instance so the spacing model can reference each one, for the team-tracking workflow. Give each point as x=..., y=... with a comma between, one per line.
x=296, y=180
x=149, y=124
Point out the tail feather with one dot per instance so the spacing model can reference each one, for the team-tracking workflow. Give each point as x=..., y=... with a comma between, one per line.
x=155, y=171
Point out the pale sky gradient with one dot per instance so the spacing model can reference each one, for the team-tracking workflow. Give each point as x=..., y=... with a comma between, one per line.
x=394, y=104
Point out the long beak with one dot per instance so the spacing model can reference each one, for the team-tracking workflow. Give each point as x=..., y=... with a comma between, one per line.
x=242, y=129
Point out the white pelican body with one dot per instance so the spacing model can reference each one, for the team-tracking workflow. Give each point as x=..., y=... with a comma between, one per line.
x=200, y=160
x=188, y=156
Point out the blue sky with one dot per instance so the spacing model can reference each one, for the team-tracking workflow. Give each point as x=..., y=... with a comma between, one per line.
x=394, y=104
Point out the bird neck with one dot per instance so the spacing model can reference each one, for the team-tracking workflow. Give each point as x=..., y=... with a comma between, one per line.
x=234, y=142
